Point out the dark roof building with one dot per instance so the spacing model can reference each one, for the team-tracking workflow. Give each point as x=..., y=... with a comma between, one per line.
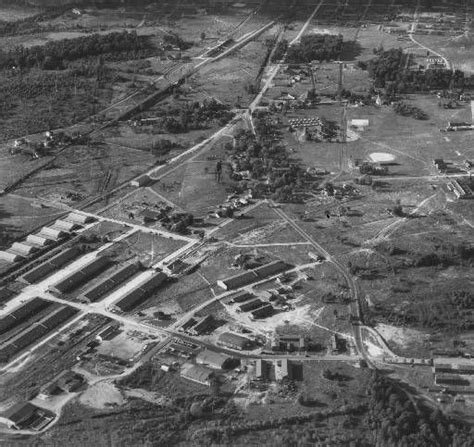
x=262, y=369
x=451, y=379
x=239, y=297
x=5, y=295
x=236, y=281
x=254, y=275
x=71, y=282
x=25, y=415
x=55, y=263
x=251, y=305
x=22, y=313
x=110, y=283
x=234, y=341
x=271, y=269
x=262, y=312
x=204, y=325
x=139, y=295
x=109, y=332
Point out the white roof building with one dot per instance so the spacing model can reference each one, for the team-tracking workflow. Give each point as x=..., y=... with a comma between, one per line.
x=10, y=257
x=23, y=249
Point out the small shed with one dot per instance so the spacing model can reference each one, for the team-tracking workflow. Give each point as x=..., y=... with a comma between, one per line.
x=143, y=180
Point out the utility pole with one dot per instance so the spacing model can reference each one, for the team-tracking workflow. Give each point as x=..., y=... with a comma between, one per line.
x=339, y=85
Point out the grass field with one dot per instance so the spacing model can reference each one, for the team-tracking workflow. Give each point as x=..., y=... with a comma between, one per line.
x=148, y=248
x=19, y=217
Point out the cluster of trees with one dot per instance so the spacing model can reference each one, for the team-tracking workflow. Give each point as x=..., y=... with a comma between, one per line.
x=34, y=101
x=55, y=54
x=163, y=146
x=299, y=429
x=179, y=42
x=394, y=420
x=31, y=24
x=319, y=47
x=280, y=50
x=353, y=97
x=178, y=222
x=389, y=70
x=268, y=163
x=404, y=109
x=195, y=116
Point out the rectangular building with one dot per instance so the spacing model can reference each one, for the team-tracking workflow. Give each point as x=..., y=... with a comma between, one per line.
x=114, y=280
x=55, y=263
x=23, y=249
x=262, y=312
x=234, y=341
x=213, y=359
x=290, y=342
x=89, y=271
x=236, y=281
x=204, y=325
x=262, y=369
x=251, y=305
x=139, y=295
x=198, y=374
x=283, y=369
x=254, y=275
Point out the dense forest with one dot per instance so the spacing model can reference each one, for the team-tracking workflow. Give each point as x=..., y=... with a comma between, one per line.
x=54, y=55
x=319, y=47
x=395, y=419
x=389, y=71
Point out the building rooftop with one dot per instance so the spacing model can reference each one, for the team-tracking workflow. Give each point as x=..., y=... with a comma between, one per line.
x=212, y=358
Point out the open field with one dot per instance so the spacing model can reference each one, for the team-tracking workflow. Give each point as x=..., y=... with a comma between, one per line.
x=148, y=248
x=20, y=216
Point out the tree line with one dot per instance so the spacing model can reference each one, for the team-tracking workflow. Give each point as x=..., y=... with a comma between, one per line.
x=394, y=420
x=53, y=55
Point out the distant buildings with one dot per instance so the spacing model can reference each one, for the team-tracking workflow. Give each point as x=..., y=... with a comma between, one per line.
x=454, y=373
x=461, y=189
x=254, y=275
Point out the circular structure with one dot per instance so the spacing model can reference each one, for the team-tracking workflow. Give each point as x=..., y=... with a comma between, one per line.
x=381, y=157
